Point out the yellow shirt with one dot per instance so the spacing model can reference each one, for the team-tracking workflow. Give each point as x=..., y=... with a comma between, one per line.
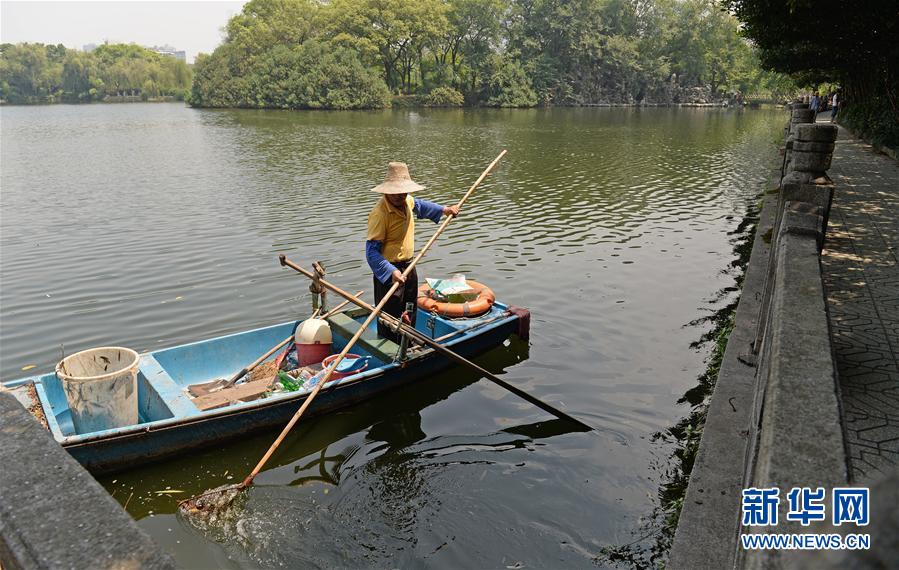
x=394, y=228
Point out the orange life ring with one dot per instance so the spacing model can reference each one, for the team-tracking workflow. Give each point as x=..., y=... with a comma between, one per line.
x=428, y=302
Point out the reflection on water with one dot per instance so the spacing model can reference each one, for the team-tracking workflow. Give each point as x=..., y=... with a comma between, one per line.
x=153, y=225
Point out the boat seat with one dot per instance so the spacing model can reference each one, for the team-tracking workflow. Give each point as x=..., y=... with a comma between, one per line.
x=168, y=393
x=383, y=349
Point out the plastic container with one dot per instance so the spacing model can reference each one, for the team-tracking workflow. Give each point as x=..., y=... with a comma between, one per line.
x=337, y=375
x=101, y=387
x=313, y=340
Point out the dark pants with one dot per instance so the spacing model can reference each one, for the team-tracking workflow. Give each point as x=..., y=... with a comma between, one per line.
x=407, y=293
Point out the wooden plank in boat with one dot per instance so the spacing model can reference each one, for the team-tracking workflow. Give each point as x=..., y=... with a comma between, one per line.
x=246, y=392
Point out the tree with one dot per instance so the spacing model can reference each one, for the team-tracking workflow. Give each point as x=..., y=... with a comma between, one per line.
x=38, y=73
x=509, y=85
x=828, y=41
x=497, y=52
x=397, y=31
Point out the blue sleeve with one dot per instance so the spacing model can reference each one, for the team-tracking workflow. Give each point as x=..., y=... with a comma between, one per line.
x=429, y=210
x=379, y=266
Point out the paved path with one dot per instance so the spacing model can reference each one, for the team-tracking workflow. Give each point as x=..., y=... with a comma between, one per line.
x=861, y=275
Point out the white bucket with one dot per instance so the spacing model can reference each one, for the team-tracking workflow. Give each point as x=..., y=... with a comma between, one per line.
x=101, y=387
x=313, y=331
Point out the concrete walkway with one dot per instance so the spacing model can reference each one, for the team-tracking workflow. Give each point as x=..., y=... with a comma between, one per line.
x=860, y=265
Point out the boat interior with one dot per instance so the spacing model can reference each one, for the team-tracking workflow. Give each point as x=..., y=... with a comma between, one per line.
x=165, y=374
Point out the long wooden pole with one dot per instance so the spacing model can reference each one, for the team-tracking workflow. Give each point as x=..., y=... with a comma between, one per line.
x=426, y=340
x=374, y=314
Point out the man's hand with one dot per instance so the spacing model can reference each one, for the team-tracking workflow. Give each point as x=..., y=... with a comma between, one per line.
x=397, y=277
x=451, y=210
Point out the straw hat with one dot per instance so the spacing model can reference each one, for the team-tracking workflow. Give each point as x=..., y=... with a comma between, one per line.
x=397, y=180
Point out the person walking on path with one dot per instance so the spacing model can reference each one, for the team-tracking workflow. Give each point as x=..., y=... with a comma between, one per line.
x=815, y=103
x=390, y=244
x=835, y=106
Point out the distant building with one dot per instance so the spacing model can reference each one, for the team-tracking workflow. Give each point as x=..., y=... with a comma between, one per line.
x=170, y=51
x=89, y=47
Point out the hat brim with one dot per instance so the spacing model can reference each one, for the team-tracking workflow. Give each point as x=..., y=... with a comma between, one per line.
x=398, y=187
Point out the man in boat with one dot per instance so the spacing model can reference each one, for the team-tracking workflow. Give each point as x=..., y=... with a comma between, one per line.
x=391, y=240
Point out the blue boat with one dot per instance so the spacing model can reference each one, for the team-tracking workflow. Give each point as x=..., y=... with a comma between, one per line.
x=170, y=423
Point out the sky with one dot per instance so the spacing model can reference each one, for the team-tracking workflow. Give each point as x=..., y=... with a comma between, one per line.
x=193, y=26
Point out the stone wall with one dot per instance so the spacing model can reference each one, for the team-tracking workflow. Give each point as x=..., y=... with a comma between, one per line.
x=53, y=514
x=774, y=416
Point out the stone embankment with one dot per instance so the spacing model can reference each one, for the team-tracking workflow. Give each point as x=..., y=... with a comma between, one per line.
x=53, y=514
x=776, y=418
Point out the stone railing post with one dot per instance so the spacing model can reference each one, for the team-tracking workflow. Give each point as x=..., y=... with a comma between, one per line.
x=811, y=152
x=807, y=179
x=798, y=117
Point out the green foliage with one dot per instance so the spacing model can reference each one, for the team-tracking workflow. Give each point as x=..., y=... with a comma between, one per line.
x=444, y=97
x=873, y=118
x=829, y=41
x=509, y=85
x=348, y=54
x=275, y=55
x=505, y=53
x=38, y=73
x=313, y=75
x=337, y=79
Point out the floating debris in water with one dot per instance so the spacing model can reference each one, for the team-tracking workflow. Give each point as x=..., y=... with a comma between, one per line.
x=169, y=492
x=29, y=367
x=216, y=512
x=210, y=502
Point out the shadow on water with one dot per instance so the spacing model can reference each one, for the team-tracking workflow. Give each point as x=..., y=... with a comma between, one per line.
x=358, y=480
x=393, y=418
x=656, y=534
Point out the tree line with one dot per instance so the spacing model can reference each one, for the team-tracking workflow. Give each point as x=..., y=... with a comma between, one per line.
x=829, y=41
x=45, y=73
x=345, y=54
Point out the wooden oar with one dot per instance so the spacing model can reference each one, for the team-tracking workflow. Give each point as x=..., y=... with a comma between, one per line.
x=204, y=388
x=393, y=322
x=228, y=493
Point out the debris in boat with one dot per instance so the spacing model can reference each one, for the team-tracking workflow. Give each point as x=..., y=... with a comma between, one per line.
x=246, y=392
x=288, y=382
x=35, y=409
x=265, y=371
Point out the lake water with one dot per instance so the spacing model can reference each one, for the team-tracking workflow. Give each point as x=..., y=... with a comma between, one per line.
x=151, y=225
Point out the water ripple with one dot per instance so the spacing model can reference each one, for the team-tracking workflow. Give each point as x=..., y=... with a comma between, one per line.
x=153, y=225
